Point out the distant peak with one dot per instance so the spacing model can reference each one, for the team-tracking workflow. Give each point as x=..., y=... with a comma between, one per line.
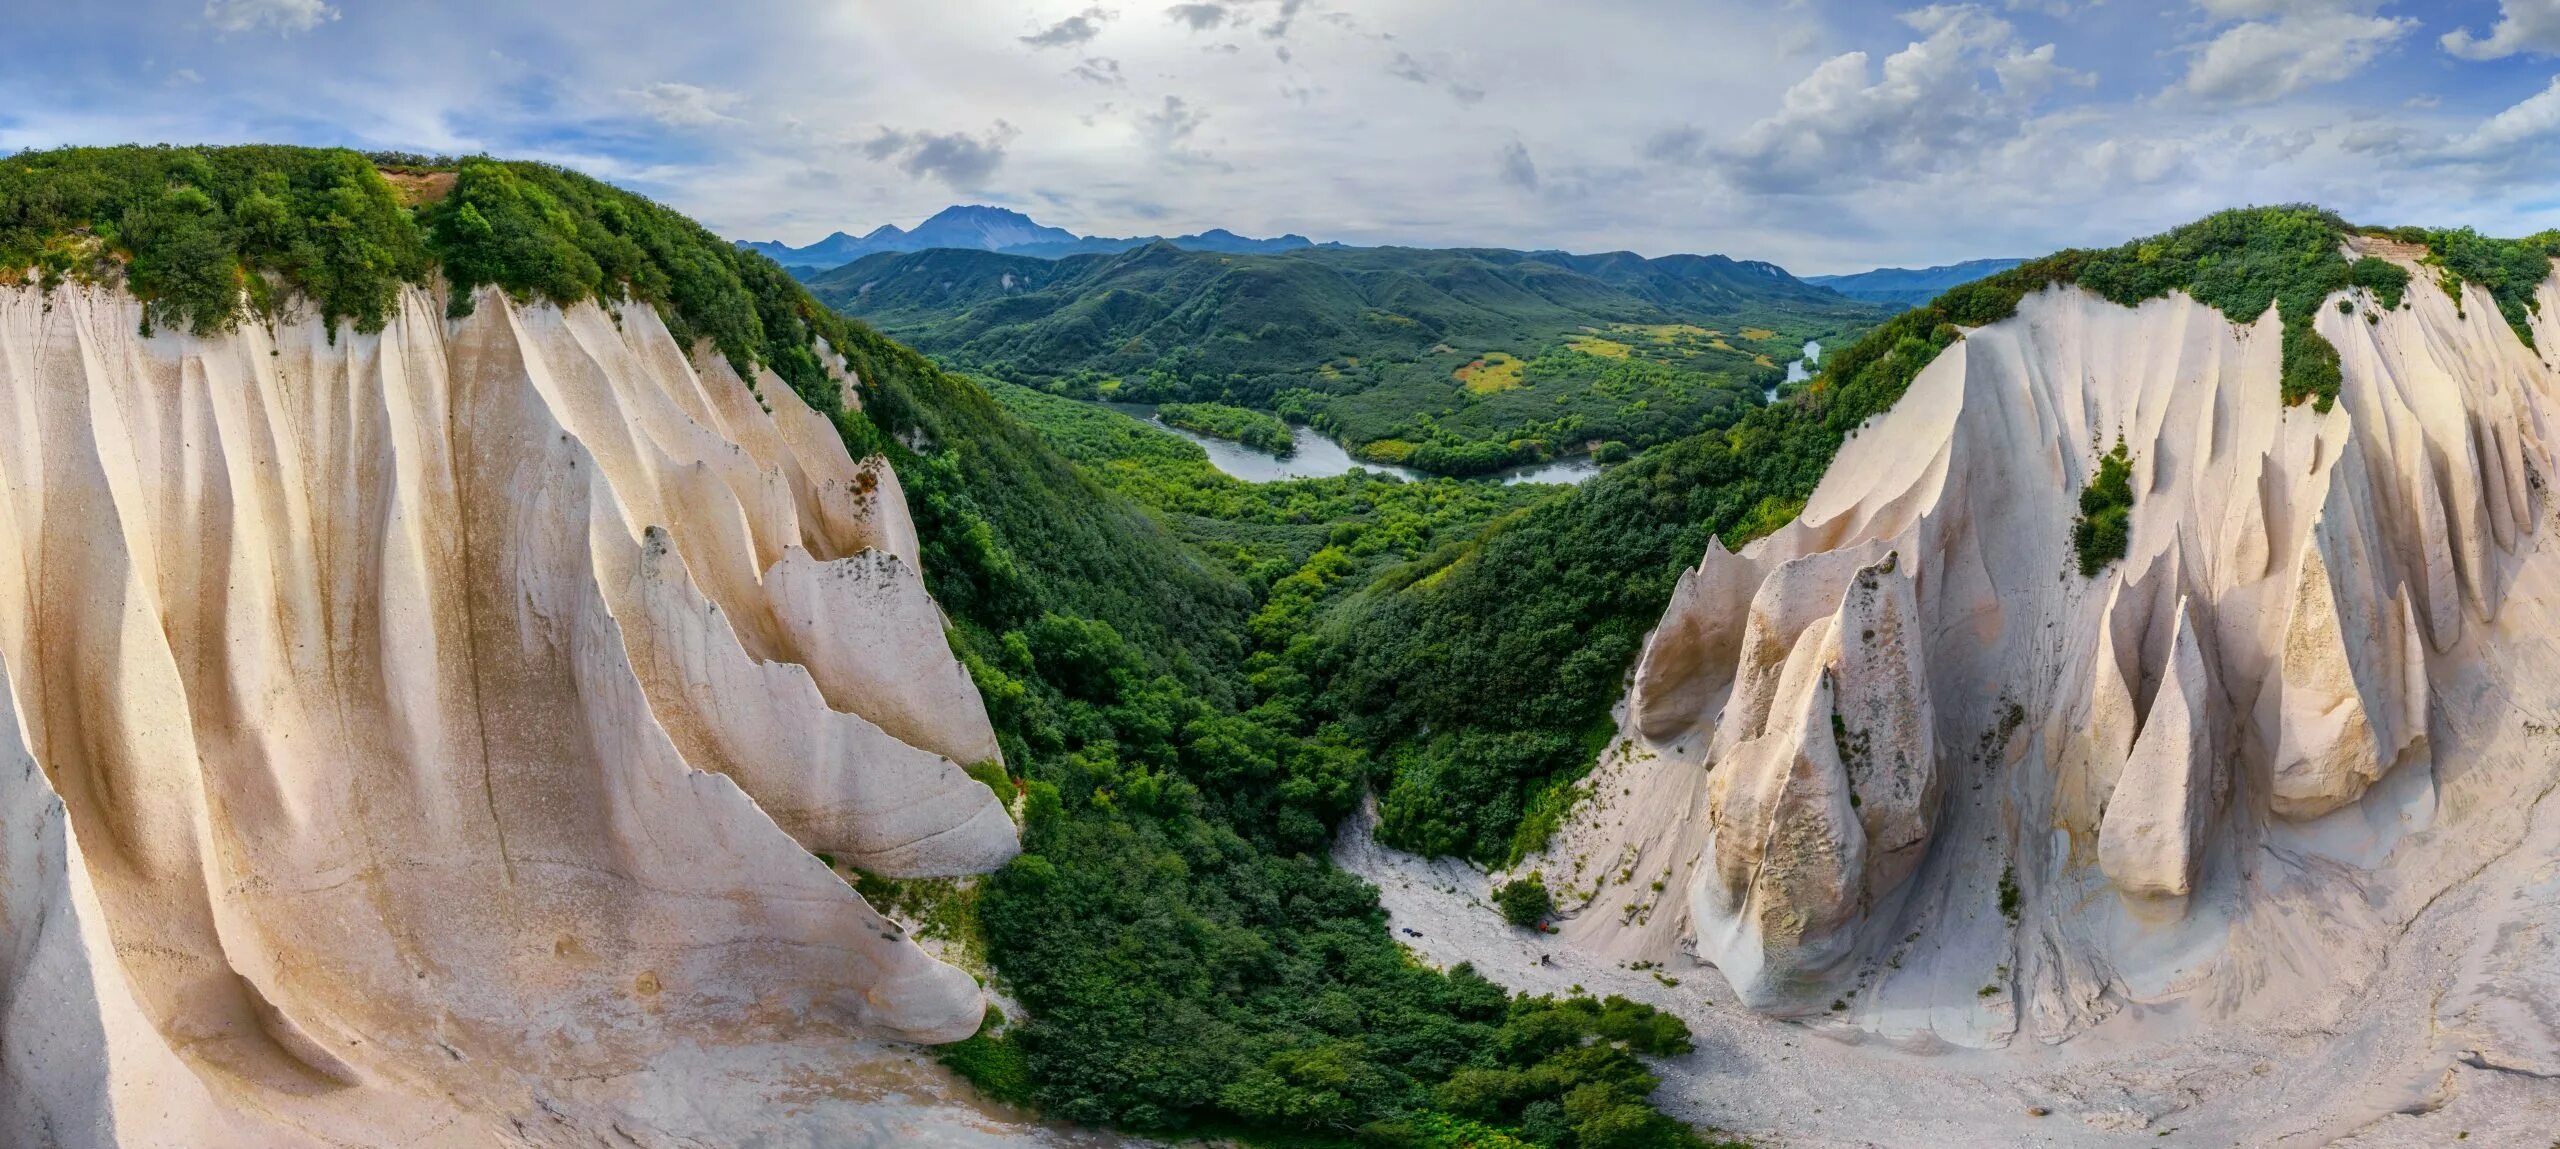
x=977, y=211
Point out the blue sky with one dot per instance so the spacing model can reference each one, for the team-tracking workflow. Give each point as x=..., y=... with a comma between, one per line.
x=1827, y=135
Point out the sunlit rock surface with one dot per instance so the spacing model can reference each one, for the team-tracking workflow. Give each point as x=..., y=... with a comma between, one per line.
x=1900, y=767
x=423, y=738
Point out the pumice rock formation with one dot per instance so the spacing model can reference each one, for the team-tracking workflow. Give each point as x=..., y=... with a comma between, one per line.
x=424, y=738
x=1901, y=767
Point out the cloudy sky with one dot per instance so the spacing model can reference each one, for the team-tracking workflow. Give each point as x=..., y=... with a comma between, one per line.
x=1827, y=135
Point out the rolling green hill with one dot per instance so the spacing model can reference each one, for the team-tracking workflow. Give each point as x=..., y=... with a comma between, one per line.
x=1457, y=362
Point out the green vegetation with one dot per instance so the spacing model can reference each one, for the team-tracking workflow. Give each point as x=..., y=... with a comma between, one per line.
x=992, y=1061
x=1189, y=959
x=2388, y=281
x=1524, y=901
x=1500, y=371
x=2105, y=526
x=1219, y=420
x=2510, y=270
x=1451, y=362
x=210, y=238
x=205, y=235
x=942, y=910
x=1267, y=532
x=2239, y=262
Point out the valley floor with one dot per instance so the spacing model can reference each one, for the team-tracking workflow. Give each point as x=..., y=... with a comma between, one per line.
x=798, y=1096
x=2378, y=1077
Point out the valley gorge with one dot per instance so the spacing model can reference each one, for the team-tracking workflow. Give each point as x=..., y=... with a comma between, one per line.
x=487, y=661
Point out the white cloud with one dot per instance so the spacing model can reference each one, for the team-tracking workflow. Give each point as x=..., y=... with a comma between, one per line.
x=1287, y=14
x=1072, y=31
x=1755, y=129
x=961, y=162
x=285, y=16
x=1518, y=169
x=2519, y=147
x=683, y=105
x=2523, y=26
x=1168, y=131
x=1405, y=67
x=2529, y=122
x=2285, y=46
x=1101, y=70
x=1203, y=17
x=1966, y=87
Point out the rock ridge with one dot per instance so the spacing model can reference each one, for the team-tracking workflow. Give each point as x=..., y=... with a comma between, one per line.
x=403, y=726
x=1900, y=767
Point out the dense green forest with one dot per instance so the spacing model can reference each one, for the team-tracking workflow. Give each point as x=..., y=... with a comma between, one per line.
x=1451, y=362
x=1189, y=958
x=1252, y=428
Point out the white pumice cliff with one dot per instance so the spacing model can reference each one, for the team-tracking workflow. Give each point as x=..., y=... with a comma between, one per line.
x=424, y=738
x=1900, y=771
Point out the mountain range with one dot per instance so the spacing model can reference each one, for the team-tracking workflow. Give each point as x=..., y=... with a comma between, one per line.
x=981, y=228
x=972, y=227
x=1911, y=287
x=1456, y=361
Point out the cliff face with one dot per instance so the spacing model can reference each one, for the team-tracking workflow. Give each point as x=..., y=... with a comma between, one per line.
x=1902, y=766
x=404, y=726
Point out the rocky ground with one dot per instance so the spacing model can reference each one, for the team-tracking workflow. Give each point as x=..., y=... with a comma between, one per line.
x=2377, y=1079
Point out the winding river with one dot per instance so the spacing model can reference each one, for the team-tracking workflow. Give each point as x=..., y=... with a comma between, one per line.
x=1318, y=457
x=1800, y=370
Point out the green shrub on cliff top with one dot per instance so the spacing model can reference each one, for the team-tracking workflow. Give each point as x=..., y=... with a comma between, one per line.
x=210, y=238
x=2510, y=270
x=197, y=232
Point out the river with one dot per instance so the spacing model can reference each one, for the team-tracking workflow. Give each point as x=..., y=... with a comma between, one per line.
x=1318, y=457
x=1801, y=369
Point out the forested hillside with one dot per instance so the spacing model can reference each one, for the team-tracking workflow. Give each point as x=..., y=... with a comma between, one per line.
x=1454, y=362
x=1189, y=957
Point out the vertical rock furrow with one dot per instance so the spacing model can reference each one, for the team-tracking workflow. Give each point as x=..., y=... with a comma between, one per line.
x=2096, y=786
x=408, y=753
x=2152, y=841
